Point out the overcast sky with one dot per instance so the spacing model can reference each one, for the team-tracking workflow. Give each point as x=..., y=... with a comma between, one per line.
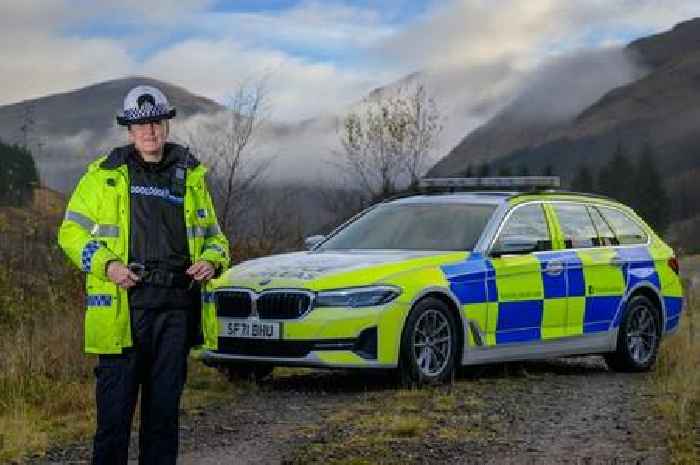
x=319, y=55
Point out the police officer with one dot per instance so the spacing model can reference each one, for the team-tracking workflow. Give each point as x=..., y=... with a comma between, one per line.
x=141, y=224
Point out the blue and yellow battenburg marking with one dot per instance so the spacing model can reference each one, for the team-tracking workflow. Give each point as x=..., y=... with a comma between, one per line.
x=557, y=294
x=98, y=300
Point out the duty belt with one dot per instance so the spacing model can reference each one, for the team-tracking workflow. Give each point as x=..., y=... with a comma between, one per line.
x=160, y=277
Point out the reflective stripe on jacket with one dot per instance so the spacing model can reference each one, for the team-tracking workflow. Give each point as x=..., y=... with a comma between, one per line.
x=95, y=230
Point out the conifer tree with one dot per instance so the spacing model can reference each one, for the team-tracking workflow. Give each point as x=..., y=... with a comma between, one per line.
x=485, y=170
x=616, y=177
x=505, y=171
x=605, y=184
x=18, y=175
x=583, y=181
x=651, y=199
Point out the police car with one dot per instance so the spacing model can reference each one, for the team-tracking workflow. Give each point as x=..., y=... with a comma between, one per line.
x=428, y=282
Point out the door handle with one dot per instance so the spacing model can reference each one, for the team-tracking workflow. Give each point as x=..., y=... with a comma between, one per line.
x=554, y=267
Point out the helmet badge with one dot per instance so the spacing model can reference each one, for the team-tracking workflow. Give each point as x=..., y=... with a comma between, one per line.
x=146, y=98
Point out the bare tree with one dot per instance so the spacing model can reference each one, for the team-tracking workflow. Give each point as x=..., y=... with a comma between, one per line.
x=278, y=225
x=337, y=203
x=387, y=142
x=275, y=223
x=423, y=131
x=229, y=142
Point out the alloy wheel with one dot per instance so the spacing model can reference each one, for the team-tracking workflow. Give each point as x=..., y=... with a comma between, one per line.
x=432, y=342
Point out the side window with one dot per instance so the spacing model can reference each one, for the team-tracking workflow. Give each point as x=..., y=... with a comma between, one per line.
x=606, y=236
x=576, y=225
x=528, y=225
x=626, y=230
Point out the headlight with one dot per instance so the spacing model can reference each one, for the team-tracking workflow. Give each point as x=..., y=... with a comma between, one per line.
x=369, y=296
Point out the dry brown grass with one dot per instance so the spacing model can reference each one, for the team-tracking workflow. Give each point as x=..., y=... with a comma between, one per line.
x=677, y=384
x=46, y=382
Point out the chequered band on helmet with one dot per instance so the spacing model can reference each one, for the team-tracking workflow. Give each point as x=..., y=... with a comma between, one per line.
x=145, y=114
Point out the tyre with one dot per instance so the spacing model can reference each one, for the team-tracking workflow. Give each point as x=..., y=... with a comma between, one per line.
x=429, y=344
x=638, y=337
x=246, y=371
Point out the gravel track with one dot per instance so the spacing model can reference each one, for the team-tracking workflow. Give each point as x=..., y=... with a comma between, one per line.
x=564, y=411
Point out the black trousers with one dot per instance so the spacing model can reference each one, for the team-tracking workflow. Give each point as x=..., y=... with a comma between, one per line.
x=157, y=364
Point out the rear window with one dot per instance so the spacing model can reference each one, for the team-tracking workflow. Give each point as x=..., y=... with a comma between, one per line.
x=576, y=225
x=606, y=236
x=626, y=230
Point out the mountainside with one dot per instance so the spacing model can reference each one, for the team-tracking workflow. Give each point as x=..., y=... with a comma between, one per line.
x=575, y=108
x=91, y=108
x=661, y=107
x=66, y=130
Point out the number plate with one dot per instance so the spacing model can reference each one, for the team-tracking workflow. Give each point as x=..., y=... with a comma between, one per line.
x=248, y=329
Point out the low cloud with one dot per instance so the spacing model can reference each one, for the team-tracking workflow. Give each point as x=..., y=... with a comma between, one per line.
x=43, y=65
x=298, y=89
x=39, y=59
x=325, y=54
x=298, y=152
x=542, y=58
x=43, y=57
x=561, y=89
x=473, y=33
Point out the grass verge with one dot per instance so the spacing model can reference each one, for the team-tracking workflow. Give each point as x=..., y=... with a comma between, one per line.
x=46, y=382
x=676, y=382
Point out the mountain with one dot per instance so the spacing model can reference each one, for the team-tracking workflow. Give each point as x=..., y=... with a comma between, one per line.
x=660, y=106
x=66, y=130
x=573, y=109
x=91, y=108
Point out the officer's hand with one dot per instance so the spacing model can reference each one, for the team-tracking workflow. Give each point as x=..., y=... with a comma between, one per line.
x=201, y=270
x=121, y=275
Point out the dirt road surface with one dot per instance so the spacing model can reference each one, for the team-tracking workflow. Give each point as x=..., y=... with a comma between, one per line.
x=569, y=411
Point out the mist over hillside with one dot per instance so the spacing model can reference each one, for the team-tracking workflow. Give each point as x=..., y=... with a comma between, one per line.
x=66, y=131
x=506, y=114
x=563, y=119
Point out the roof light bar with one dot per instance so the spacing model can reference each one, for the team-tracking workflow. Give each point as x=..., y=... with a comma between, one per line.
x=532, y=182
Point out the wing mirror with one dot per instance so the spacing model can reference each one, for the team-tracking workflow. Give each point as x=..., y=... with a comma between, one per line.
x=514, y=246
x=312, y=241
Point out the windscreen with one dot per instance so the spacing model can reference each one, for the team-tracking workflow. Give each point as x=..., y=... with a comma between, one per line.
x=449, y=227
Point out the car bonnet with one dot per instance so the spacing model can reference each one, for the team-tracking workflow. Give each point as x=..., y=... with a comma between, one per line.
x=318, y=271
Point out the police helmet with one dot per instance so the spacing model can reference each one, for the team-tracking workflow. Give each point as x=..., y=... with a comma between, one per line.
x=144, y=104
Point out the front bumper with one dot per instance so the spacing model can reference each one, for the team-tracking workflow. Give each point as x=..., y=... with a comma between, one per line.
x=315, y=359
x=325, y=337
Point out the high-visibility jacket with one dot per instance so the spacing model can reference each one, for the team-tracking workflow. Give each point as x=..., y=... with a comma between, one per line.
x=95, y=230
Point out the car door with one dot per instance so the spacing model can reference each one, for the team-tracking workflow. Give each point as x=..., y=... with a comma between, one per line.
x=595, y=280
x=516, y=314
x=586, y=264
x=632, y=256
